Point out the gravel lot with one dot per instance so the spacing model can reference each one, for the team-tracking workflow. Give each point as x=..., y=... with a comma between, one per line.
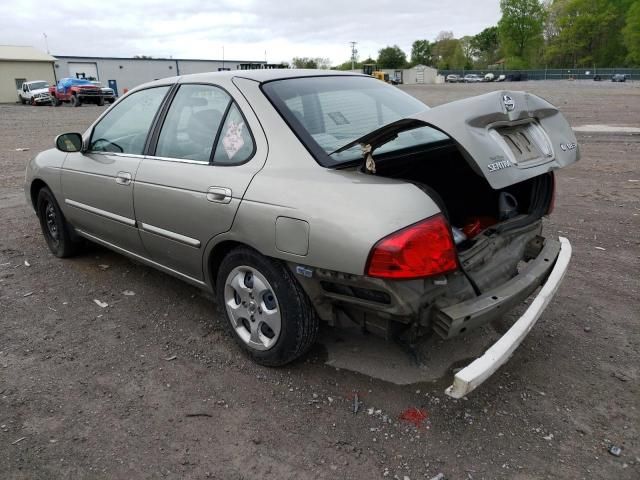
x=151, y=387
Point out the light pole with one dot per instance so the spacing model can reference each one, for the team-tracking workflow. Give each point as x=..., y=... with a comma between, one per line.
x=46, y=42
x=353, y=55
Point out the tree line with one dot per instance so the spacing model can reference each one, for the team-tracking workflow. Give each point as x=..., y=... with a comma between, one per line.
x=529, y=34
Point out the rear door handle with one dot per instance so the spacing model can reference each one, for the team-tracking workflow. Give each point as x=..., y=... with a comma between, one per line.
x=123, y=178
x=219, y=194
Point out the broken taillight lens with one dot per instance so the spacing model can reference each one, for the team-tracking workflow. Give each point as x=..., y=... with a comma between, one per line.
x=420, y=250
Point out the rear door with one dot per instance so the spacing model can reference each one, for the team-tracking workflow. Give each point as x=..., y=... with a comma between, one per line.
x=98, y=184
x=203, y=156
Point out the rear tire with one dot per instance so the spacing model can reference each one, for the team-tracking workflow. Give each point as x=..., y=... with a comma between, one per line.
x=56, y=230
x=267, y=312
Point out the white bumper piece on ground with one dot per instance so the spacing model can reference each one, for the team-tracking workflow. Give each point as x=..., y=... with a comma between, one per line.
x=470, y=377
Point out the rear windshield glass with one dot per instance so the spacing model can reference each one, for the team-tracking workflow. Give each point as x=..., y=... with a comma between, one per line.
x=328, y=113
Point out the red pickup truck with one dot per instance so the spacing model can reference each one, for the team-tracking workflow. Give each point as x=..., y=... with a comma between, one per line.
x=76, y=91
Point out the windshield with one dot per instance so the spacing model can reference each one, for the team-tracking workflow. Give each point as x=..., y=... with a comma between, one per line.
x=328, y=113
x=38, y=85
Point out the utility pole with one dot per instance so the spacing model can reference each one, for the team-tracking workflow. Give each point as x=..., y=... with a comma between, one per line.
x=223, y=58
x=46, y=42
x=354, y=52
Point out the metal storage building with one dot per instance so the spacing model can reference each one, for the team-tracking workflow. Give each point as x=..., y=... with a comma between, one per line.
x=19, y=64
x=411, y=76
x=125, y=73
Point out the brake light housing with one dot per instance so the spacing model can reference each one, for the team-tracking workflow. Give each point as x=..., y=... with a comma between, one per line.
x=421, y=250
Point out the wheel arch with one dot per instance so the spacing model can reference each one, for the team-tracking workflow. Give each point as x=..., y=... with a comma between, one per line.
x=34, y=189
x=217, y=254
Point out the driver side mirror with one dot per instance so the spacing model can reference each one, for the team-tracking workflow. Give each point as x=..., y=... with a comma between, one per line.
x=69, y=142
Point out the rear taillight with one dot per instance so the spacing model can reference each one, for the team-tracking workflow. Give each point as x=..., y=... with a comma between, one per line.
x=552, y=202
x=420, y=250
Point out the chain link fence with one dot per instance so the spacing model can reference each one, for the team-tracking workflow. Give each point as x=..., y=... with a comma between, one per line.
x=553, y=73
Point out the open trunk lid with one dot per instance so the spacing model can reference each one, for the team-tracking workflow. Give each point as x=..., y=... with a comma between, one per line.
x=507, y=137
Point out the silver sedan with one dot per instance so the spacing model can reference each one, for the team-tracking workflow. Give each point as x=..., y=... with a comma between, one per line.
x=306, y=196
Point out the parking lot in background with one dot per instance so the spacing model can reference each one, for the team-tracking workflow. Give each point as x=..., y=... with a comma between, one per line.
x=151, y=387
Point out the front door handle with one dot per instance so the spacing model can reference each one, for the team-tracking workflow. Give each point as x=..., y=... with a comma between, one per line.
x=219, y=194
x=123, y=178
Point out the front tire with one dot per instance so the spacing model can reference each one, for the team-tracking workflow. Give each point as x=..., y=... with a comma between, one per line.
x=75, y=101
x=101, y=102
x=267, y=312
x=56, y=230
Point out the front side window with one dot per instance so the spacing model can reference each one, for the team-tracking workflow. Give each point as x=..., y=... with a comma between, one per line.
x=328, y=113
x=125, y=127
x=192, y=123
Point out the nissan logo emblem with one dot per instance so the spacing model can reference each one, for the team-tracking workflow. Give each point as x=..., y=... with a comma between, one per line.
x=509, y=104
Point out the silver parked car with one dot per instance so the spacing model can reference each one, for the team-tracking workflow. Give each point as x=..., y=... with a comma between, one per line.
x=472, y=78
x=300, y=196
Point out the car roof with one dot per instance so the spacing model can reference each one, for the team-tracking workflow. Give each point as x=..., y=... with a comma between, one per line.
x=266, y=75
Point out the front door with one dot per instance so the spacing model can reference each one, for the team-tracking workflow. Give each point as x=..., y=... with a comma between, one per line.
x=113, y=85
x=190, y=188
x=97, y=184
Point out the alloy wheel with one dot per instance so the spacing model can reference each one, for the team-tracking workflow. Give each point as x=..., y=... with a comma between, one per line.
x=252, y=308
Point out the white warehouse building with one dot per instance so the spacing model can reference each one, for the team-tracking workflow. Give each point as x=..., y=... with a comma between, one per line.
x=123, y=74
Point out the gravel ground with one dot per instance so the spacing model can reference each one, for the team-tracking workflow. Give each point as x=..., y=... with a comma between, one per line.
x=151, y=387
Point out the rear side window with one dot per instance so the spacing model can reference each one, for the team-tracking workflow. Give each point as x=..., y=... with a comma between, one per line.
x=235, y=144
x=125, y=127
x=192, y=123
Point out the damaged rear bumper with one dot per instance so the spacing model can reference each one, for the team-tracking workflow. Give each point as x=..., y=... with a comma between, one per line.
x=467, y=379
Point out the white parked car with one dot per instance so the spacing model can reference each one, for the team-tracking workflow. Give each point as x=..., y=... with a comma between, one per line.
x=35, y=92
x=489, y=77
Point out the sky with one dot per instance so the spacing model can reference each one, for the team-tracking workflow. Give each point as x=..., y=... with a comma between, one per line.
x=244, y=29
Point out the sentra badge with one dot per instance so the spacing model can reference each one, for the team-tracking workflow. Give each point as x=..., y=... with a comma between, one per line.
x=495, y=166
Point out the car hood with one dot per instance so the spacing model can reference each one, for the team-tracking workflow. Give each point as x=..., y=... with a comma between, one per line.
x=40, y=90
x=507, y=136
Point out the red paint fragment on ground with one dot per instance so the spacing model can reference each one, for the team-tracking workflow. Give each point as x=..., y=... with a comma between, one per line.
x=414, y=415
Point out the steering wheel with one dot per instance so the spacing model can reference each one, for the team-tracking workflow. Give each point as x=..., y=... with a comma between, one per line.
x=117, y=148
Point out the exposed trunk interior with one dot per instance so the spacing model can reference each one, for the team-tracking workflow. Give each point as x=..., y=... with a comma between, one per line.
x=465, y=196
